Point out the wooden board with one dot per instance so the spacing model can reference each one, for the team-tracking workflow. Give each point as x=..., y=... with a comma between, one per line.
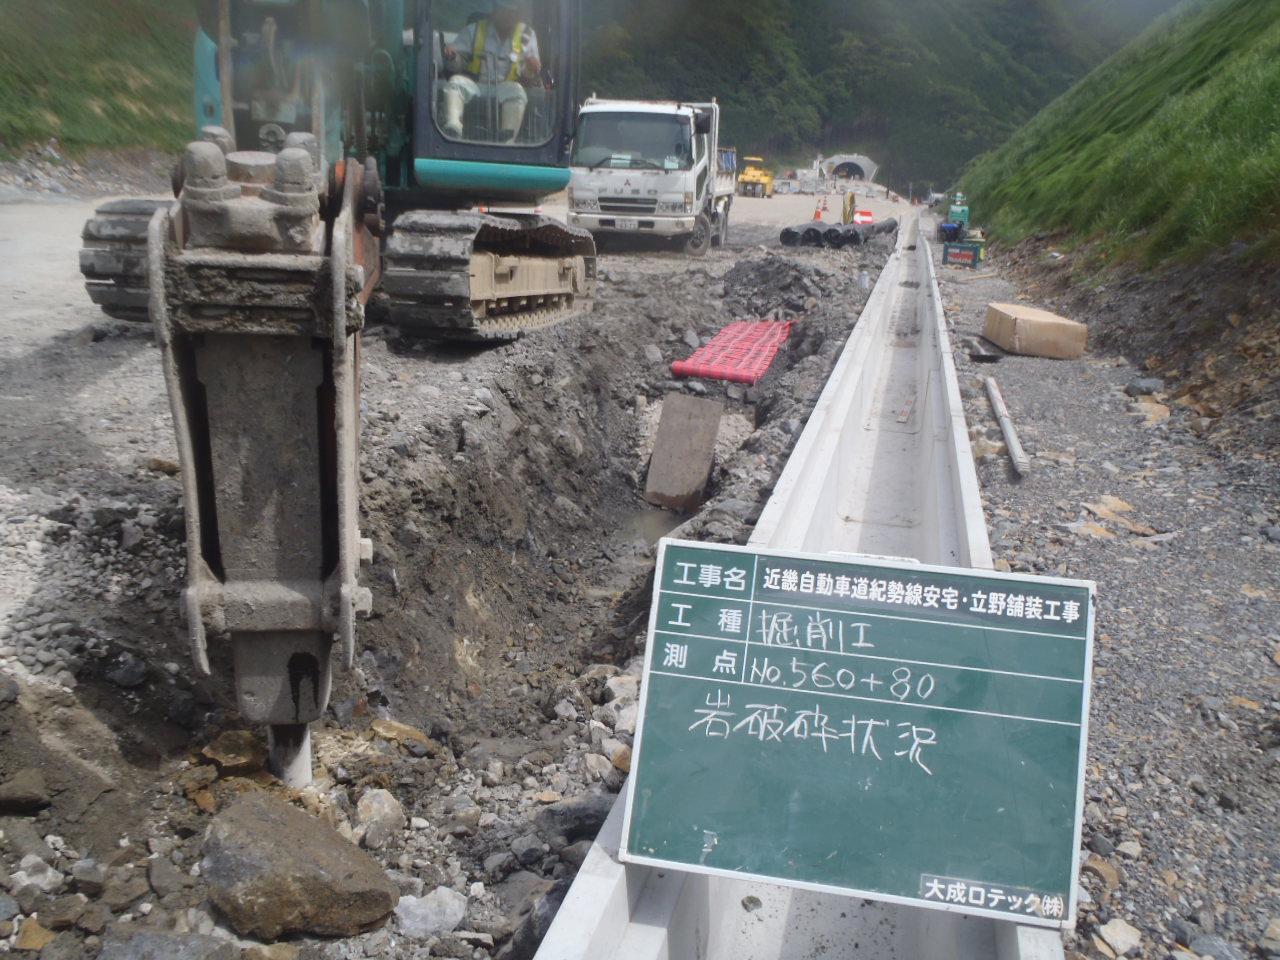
x=683, y=452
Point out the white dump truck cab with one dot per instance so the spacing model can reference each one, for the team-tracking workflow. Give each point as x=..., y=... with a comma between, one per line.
x=652, y=167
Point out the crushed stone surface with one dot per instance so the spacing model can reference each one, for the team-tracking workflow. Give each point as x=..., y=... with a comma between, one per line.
x=485, y=729
x=1125, y=489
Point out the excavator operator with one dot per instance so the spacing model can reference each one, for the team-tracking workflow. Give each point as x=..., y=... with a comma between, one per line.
x=498, y=51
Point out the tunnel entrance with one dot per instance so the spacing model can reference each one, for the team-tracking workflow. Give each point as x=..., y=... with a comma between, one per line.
x=850, y=166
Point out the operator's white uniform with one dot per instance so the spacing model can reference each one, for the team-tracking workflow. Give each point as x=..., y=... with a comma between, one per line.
x=501, y=60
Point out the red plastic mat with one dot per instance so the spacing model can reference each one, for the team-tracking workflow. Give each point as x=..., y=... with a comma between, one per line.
x=741, y=352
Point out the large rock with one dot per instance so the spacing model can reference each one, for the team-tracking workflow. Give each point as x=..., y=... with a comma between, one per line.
x=35, y=872
x=124, y=943
x=533, y=919
x=274, y=870
x=32, y=936
x=88, y=877
x=1120, y=936
x=578, y=818
x=25, y=792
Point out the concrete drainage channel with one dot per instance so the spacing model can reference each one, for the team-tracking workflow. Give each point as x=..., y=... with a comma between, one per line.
x=883, y=468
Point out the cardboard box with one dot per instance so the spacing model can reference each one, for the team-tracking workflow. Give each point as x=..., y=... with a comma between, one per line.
x=1034, y=332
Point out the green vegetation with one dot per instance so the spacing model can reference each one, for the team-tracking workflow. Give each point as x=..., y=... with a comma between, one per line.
x=920, y=86
x=1170, y=148
x=96, y=73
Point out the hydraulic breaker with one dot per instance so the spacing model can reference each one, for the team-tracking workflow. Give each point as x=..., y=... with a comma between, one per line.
x=257, y=303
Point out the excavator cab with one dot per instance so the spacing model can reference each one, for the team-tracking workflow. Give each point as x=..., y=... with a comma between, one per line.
x=457, y=101
x=495, y=103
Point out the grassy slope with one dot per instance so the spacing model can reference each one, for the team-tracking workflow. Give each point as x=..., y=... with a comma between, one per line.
x=96, y=73
x=1171, y=147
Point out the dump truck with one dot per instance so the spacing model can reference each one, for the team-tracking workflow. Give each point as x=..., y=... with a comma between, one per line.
x=652, y=167
x=348, y=150
x=755, y=180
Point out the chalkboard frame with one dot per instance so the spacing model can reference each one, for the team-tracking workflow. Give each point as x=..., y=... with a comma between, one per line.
x=973, y=890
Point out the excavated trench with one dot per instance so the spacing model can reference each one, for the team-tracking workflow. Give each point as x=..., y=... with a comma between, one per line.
x=502, y=489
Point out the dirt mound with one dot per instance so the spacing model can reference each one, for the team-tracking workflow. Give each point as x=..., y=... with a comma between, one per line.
x=781, y=286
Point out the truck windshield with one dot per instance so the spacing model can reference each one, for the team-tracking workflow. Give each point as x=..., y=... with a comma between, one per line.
x=633, y=140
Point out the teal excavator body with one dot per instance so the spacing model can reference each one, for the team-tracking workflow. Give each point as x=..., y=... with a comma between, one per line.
x=371, y=81
x=349, y=152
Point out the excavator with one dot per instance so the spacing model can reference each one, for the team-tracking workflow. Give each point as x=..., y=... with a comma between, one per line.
x=388, y=154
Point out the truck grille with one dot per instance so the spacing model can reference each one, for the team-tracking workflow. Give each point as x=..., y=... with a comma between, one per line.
x=628, y=206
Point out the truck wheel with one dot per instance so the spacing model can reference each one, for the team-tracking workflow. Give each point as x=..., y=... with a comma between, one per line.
x=696, y=244
x=721, y=238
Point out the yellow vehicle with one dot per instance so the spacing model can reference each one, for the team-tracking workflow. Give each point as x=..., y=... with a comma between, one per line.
x=755, y=180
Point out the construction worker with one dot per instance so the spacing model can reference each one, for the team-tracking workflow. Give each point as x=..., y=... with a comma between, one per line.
x=499, y=50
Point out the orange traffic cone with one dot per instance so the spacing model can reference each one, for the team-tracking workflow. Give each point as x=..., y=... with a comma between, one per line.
x=817, y=211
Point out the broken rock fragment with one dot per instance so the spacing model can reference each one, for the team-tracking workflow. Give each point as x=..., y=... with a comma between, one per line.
x=237, y=753
x=274, y=870
x=439, y=912
x=124, y=943
x=379, y=817
x=24, y=792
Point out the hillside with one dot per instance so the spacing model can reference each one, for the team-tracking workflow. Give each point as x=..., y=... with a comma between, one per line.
x=920, y=85
x=1171, y=147
x=106, y=73
x=1144, y=201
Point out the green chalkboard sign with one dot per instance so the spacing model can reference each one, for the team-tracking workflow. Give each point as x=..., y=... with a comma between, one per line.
x=872, y=727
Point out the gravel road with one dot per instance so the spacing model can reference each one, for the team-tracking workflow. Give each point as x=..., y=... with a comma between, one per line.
x=1181, y=849
x=501, y=488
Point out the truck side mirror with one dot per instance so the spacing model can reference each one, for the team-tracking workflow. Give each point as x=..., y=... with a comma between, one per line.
x=702, y=122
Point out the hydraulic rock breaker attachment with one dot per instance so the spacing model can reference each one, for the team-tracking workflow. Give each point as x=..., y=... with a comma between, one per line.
x=257, y=305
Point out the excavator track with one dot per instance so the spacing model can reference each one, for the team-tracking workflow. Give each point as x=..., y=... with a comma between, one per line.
x=113, y=259
x=475, y=276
